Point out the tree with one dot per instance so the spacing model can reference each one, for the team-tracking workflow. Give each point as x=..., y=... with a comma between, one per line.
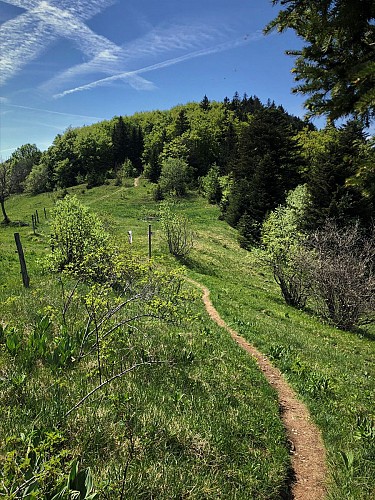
x=22, y=162
x=336, y=66
x=4, y=188
x=175, y=176
x=205, y=103
x=283, y=237
x=266, y=166
x=211, y=185
x=37, y=181
x=334, y=156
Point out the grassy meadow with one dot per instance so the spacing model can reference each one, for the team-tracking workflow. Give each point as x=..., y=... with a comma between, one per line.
x=199, y=421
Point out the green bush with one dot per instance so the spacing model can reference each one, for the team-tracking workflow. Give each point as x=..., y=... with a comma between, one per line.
x=78, y=240
x=211, y=186
x=175, y=176
x=176, y=230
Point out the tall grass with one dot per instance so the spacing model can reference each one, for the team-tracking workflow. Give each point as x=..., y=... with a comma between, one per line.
x=205, y=424
x=202, y=423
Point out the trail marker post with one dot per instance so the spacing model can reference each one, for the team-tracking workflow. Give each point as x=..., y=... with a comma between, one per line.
x=25, y=277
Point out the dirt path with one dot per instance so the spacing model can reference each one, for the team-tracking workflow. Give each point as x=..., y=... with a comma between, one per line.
x=307, y=449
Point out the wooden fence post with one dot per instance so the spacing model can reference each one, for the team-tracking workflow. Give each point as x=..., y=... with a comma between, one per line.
x=37, y=216
x=33, y=222
x=25, y=277
x=45, y=212
x=149, y=241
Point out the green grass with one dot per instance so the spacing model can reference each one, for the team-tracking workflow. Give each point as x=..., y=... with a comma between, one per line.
x=207, y=424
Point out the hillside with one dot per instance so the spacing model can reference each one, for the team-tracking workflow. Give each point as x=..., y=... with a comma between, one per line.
x=202, y=422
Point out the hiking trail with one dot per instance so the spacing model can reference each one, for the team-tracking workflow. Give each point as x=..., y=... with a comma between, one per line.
x=307, y=450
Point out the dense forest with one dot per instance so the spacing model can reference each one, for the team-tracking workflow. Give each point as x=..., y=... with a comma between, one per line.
x=241, y=153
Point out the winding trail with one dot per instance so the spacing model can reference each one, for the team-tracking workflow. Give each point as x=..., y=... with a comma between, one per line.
x=307, y=450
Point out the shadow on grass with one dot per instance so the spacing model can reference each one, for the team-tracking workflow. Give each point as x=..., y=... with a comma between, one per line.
x=197, y=266
x=363, y=332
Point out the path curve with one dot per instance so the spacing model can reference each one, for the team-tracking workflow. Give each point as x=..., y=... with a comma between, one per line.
x=307, y=450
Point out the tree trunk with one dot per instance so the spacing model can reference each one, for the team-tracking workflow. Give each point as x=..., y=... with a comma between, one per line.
x=6, y=218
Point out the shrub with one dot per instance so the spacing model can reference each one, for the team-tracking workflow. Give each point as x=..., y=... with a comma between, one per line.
x=175, y=176
x=78, y=240
x=176, y=230
x=342, y=274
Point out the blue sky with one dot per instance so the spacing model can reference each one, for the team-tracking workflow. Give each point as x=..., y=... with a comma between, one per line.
x=74, y=62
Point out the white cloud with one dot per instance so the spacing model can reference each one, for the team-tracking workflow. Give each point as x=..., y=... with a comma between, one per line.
x=26, y=36
x=119, y=60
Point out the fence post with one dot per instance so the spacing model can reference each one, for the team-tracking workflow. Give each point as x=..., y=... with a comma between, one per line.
x=45, y=212
x=33, y=222
x=25, y=277
x=37, y=216
x=149, y=241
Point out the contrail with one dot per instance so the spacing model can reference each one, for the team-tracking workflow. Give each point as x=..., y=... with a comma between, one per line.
x=163, y=64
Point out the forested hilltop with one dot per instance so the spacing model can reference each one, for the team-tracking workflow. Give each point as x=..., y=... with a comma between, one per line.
x=243, y=154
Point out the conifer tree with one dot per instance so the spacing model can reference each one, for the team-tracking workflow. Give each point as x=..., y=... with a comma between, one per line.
x=335, y=68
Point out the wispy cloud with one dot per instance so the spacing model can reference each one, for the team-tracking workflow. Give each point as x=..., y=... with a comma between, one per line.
x=48, y=111
x=159, y=41
x=26, y=36
x=131, y=75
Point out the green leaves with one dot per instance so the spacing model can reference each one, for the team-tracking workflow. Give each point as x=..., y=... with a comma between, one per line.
x=80, y=485
x=80, y=245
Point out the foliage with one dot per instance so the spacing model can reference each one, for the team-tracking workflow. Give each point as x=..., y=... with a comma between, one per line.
x=283, y=238
x=22, y=161
x=78, y=240
x=175, y=176
x=176, y=230
x=126, y=171
x=334, y=158
x=37, y=181
x=266, y=167
x=35, y=465
x=210, y=185
x=336, y=66
x=364, y=178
